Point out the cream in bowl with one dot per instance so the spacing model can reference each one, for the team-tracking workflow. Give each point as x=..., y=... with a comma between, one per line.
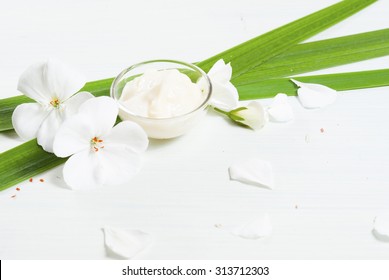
x=165, y=97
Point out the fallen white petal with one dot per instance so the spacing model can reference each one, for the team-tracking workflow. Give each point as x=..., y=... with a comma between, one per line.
x=255, y=229
x=381, y=228
x=125, y=243
x=280, y=110
x=254, y=172
x=315, y=95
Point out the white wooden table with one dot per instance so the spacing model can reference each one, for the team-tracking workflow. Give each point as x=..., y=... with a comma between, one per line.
x=328, y=189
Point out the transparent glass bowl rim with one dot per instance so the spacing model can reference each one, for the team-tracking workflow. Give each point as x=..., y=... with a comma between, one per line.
x=192, y=66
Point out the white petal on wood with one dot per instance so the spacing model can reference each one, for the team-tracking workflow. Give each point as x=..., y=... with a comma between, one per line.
x=280, y=110
x=381, y=228
x=255, y=229
x=253, y=172
x=315, y=95
x=125, y=243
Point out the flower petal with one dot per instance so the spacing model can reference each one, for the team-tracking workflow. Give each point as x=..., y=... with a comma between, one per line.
x=257, y=228
x=381, y=228
x=48, y=130
x=73, y=136
x=27, y=118
x=255, y=116
x=44, y=81
x=254, y=172
x=82, y=171
x=280, y=110
x=125, y=243
x=220, y=72
x=102, y=111
x=119, y=163
x=128, y=134
x=62, y=80
x=32, y=83
x=224, y=96
x=73, y=104
x=315, y=95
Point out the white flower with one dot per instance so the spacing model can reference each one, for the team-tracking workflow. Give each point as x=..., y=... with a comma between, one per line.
x=51, y=84
x=315, y=95
x=280, y=110
x=253, y=115
x=224, y=94
x=100, y=153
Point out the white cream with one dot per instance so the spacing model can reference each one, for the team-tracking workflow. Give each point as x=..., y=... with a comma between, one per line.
x=161, y=94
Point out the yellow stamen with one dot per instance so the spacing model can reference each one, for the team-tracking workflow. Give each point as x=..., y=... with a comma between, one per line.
x=96, y=144
x=55, y=103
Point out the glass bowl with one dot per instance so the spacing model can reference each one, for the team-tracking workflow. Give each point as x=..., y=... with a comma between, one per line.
x=169, y=127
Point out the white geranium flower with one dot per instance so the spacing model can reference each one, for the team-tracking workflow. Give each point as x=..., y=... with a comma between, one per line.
x=253, y=115
x=51, y=84
x=100, y=153
x=224, y=94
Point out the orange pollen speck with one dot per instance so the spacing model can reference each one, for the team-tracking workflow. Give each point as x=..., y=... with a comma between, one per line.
x=96, y=144
x=55, y=103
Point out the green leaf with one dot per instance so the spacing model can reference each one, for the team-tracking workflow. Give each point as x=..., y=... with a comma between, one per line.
x=317, y=55
x=262, y=48
x=23, y=162
x=340, y=82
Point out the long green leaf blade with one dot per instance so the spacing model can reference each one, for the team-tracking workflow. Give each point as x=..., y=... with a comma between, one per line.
x=340, y=82
x=260, y=49
x=23, y=162
x=318, y=55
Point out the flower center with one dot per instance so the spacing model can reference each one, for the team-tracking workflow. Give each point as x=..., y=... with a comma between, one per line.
x=96, y=144
x=55, y=103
